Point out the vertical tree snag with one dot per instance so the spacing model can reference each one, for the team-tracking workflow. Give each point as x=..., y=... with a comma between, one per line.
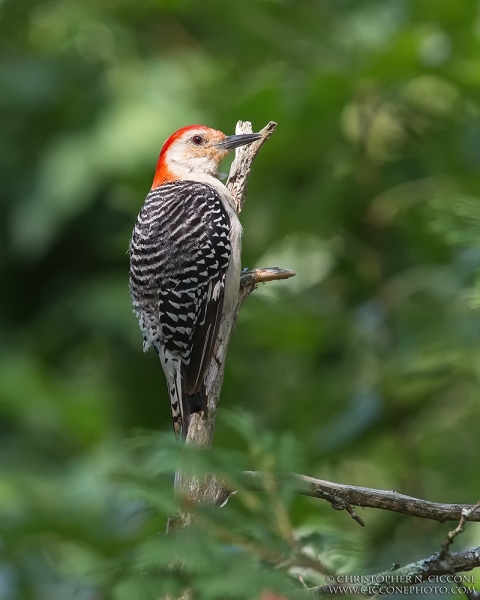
x=201, y=428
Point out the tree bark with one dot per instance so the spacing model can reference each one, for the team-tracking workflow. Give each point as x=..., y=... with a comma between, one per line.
x=344, y=497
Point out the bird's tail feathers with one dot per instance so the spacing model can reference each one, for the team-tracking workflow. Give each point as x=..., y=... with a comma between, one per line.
x=176, y=404
x=183, y=405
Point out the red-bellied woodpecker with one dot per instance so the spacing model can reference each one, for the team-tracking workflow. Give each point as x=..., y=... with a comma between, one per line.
x=185, y=262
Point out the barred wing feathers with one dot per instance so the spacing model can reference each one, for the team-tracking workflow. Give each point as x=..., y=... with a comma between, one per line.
x=179, y=256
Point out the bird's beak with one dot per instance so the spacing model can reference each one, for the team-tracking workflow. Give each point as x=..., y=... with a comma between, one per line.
x=234, y=141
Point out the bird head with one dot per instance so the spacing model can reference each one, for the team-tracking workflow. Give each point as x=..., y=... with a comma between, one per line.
x=194, y=152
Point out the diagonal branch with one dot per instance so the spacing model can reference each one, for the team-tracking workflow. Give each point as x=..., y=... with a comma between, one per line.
x=342, y=496
x=412, y=574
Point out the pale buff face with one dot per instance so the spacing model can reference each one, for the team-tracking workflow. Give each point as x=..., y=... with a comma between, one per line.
x=196, y=152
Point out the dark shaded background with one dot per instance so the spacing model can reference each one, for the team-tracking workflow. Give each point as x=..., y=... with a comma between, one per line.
x=369, y=189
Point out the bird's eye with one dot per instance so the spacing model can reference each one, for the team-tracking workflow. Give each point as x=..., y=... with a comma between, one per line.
x=197, y=140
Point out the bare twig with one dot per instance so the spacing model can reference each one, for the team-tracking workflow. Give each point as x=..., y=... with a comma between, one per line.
x=465, y=515
x=302, y=581
x=344, y=497
x=253, y=278
x=445, y=556
x=242, y=164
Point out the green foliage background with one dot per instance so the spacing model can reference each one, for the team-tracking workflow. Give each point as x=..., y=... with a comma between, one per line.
x=364, y=369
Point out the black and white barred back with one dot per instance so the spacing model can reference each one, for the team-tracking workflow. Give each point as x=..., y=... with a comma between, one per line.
x=179, y=256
